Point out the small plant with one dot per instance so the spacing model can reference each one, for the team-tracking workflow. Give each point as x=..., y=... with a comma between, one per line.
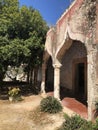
x=50, y=105
x=75, y=123
x=14, y=94
x=95, y=125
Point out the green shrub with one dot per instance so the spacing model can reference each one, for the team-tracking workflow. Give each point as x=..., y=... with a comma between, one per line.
x=50, y=105
x=75, y=123
x=95, y=125
x=88, y=125
x=13, y=92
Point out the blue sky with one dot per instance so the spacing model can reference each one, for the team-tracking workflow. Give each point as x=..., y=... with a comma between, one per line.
x=51, y=10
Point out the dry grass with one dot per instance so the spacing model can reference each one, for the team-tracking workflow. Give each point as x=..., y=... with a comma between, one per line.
x=26, y=115
x=40, y=118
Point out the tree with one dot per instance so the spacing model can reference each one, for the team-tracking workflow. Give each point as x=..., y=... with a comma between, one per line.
x=22, y=37
x=3, y=56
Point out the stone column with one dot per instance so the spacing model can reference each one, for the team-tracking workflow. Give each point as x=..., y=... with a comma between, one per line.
x=91, y=83
x=57, y=81
x=97, y=23
x=43, y=78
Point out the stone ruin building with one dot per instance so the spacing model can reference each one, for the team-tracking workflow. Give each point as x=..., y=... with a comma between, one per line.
x=71, y=54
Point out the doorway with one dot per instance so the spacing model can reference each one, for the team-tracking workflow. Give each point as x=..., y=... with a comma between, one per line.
x=80, y=80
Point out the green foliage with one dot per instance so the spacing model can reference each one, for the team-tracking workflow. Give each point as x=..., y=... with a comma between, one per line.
x=13, y=92
x=73, y=123
x=22, y=35
x=50, y=105
x=95, y=125
x=76, y=123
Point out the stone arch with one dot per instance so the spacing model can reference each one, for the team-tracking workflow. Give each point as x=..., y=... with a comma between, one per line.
x=91, y=54
x=74, y=64
x=63, y=49
x=67, y=42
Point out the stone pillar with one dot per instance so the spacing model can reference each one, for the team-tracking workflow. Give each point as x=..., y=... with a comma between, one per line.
x=57, y=81
x=97, y=23
x=43, y=78
x=91, y=83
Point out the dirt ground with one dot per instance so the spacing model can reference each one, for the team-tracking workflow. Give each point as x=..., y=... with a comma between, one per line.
x=19, y=115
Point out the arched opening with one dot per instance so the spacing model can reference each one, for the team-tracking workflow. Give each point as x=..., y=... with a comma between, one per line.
x=49, y=81
x=73, y=78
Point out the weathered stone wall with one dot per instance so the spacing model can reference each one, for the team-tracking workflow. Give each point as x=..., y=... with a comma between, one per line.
x=97, y=23
x=97, y=42
x=77, y=50
x=78, y=23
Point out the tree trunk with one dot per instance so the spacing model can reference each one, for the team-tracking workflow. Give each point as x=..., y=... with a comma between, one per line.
x=31, y=75
x=1, y=76
x=1, y=81
x=35, y=76
x=28, y=76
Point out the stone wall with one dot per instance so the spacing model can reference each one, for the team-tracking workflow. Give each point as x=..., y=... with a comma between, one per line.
x=78, y=23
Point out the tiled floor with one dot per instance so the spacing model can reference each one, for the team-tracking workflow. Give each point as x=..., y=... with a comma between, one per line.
x=75, y=106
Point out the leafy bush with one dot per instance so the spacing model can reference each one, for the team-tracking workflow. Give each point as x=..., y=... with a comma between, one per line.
x=50, y=105
x=76, y=123
x=73, y=123
x=95, y=125
x=13, y=92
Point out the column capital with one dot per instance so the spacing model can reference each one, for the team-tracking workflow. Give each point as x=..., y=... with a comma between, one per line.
x=57, y=65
